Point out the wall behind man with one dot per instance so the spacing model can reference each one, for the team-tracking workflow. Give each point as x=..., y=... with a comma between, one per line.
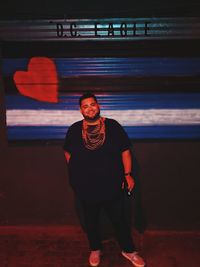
x=34, y=186
x=169, y=180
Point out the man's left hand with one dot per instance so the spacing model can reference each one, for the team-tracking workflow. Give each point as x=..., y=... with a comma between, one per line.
x=130, y=183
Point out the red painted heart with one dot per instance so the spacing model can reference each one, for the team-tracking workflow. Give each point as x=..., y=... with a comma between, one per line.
x=40, y=81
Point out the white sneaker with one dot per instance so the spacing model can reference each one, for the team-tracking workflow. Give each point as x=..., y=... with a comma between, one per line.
x=94, y=258
x=134, y=258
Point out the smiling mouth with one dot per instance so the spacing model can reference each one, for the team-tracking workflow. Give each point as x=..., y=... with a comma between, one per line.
x=91, y=113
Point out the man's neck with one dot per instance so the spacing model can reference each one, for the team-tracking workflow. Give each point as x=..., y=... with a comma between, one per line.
x=93, y=122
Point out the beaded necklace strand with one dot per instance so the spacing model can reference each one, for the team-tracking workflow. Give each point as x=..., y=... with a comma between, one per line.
x=93, y=135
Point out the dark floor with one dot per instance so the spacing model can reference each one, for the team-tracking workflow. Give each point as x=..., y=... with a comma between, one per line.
x=51, y=246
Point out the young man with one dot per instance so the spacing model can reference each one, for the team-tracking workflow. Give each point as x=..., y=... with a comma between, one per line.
x=97, y=150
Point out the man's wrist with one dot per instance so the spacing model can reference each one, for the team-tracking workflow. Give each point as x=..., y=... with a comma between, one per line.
x=128, y=174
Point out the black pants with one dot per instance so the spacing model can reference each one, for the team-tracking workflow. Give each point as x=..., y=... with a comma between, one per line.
x=114, y=209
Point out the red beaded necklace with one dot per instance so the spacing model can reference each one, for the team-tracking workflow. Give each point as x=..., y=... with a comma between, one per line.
x=93, y=134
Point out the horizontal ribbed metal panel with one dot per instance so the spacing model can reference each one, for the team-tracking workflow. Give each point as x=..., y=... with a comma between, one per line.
x=135, y=67
x=107, y=74
x=101, y=29
x=142, y=115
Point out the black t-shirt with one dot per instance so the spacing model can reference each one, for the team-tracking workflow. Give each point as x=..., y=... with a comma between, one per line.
x=97, y=175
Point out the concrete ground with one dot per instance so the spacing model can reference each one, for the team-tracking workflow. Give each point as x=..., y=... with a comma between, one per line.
x=66, y=246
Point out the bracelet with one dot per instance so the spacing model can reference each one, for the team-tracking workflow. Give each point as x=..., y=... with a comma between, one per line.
x=127, y=173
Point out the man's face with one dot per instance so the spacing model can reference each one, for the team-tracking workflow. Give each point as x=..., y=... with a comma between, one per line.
x=90, y=109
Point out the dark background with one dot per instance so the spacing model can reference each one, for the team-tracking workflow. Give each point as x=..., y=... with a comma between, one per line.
x=144, y=8
x=34, y=186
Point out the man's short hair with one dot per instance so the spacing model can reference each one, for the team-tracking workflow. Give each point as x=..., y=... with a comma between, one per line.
x=87, y=95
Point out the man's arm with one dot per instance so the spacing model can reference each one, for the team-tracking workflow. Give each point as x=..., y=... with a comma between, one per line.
x=127, y=162
x=67, y=156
